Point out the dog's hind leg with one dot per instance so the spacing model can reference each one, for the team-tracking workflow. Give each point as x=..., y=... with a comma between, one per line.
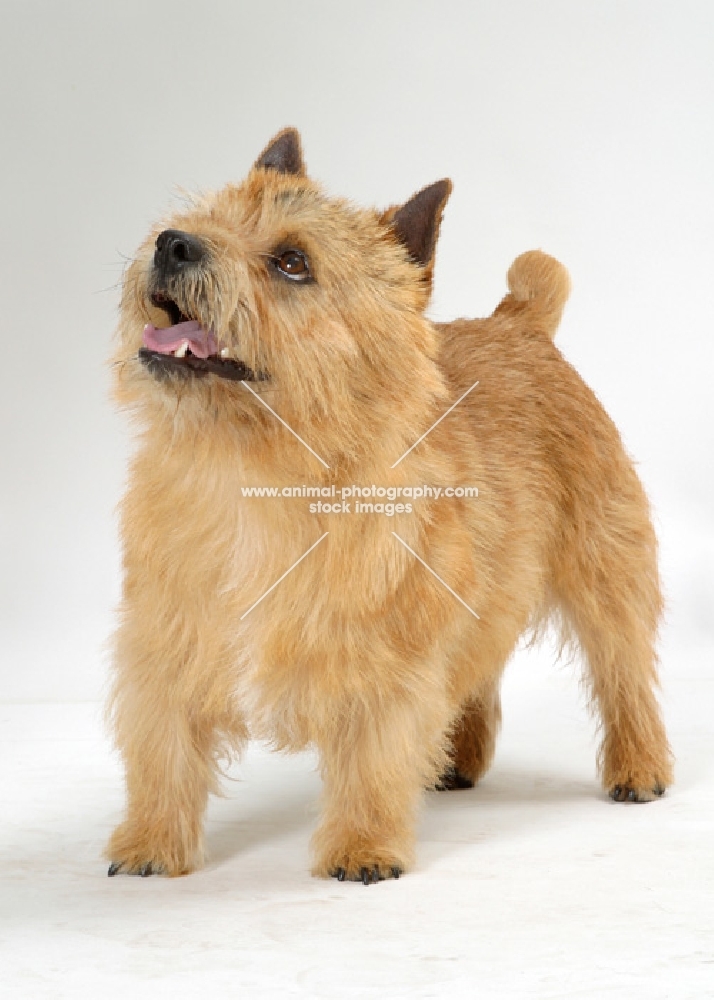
x=473, y=739
x=609, y=590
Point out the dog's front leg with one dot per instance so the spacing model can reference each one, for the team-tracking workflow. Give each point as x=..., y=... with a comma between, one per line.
x=377, y=755
x=170, y=722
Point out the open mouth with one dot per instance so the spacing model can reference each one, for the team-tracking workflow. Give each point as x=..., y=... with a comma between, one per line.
x=187, y=349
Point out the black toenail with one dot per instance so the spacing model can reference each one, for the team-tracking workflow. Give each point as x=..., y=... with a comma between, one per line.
x=396, y=872
x=340, y=874
x=146, y=870
x=365, y=876
x=114, y=867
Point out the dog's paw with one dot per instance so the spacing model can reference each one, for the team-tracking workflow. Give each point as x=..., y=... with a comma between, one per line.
x=360, y=861
x=366, y=874
x=630, y=792
x=451, y=779
x=132, y=851
x=144, y=870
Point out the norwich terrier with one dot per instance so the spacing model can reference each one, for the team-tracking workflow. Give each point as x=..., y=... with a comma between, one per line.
x=273, y=337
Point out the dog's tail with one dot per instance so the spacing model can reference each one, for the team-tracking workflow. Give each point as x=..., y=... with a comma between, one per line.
x=538, y=286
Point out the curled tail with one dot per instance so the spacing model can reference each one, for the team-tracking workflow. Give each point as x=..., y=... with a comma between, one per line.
x=538, y=289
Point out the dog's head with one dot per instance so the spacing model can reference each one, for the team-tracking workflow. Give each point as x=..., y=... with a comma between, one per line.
x=314, y=305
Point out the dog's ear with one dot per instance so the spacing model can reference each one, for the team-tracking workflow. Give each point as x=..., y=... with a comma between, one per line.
x=283, y=153
x=416, y=222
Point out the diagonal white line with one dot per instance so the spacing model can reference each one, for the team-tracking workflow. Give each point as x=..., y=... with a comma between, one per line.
x=434, y=425
x=284, y=575
x=435, y=574
x=261, y=400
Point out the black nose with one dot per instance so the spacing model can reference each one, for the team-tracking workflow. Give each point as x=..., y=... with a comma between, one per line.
x=176, y=250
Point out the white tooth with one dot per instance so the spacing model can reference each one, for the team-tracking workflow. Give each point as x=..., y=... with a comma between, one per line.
x=180, y=352
x=224, y=352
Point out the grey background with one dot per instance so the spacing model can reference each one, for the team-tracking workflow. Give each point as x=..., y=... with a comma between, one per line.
x=582, y=128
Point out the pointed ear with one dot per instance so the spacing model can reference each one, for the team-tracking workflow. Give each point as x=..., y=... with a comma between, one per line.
x=416, y=223
x=283, y=153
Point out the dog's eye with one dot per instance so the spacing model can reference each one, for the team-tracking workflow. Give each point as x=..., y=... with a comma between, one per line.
x=294, y=265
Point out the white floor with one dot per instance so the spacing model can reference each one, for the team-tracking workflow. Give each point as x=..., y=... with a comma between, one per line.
x=531, y=885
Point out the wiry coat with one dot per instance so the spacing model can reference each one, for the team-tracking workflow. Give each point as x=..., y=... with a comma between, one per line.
x=360, y=650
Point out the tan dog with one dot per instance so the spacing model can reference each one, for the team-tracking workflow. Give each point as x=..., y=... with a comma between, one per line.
x=271, y=337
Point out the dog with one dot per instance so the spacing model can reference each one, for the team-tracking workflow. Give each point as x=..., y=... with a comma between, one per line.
x=270, y=335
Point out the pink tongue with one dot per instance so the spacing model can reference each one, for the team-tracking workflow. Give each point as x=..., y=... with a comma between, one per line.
x=165, y=340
